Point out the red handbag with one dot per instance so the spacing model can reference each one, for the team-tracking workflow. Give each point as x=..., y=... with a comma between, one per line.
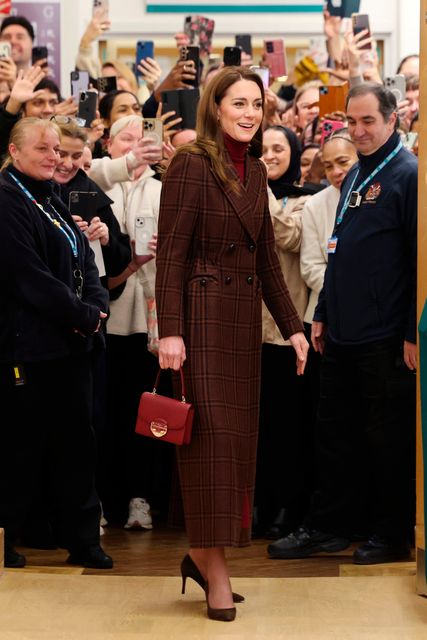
x=165, y=418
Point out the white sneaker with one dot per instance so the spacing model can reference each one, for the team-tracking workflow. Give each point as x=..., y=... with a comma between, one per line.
x=139, y=515
x=103, y=520
x=101, y=530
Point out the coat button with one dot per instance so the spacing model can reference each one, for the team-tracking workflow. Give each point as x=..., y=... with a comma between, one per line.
x=251, y=248
x=232, y=246
x=227, y=280
x=203, y=282
x=249, y=279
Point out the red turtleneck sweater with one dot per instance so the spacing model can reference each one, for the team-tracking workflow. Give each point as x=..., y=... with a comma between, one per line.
x=237, y=151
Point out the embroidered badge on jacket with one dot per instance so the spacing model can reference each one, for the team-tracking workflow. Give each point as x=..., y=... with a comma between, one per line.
x=373, y=192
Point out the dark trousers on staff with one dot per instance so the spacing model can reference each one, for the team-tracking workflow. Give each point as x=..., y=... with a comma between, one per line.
x=365, y=441
x=49, y=434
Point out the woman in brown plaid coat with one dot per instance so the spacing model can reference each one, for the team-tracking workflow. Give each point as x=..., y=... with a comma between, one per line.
x=215, y=263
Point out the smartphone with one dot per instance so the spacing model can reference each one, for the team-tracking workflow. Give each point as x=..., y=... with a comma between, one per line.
x=199, y=30
x=264, y=74
x=88, y=103
x=244, y=41
x=342, y=8
x=332, y=98
x=328, y=128
x=144, y=230
x=144, y=49
x=232, y=56
x=100, y=4
x=275, y=56
x=38, y=53
x=79, y=82
x=397, y=85
x=5, y=50
x=83, y=203
x=106, y=84
x=153, y=128
x=360, y=21
x=192, y=53
x=184, y=102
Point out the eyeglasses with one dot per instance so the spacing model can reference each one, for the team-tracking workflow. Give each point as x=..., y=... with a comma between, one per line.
x=80, y=122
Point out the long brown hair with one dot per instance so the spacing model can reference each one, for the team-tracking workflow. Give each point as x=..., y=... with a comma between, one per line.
x=210, y=139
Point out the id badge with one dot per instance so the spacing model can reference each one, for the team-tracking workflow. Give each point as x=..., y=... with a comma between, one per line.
x=332, y=244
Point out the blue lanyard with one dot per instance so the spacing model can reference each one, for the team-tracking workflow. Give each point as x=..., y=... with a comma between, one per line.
x=284, y=201
x=365, y=182
x=65, y=229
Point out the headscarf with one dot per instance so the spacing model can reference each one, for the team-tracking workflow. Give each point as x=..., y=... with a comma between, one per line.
x=285, y=185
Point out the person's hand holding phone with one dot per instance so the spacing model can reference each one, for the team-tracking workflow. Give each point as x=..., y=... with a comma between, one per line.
x=151, y=71
x=99, y=24
x=178, y=77
x=143, y=153
x=67, y=107
x=8, y=71
x=98, y=230
x=82, y=224
x=168, y=129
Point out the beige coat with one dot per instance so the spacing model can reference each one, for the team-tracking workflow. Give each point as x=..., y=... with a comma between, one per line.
x=287, y=232
x=317, y=224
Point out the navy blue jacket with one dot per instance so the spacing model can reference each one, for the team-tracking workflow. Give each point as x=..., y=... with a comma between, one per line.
x=40, y=309
x=369, y=290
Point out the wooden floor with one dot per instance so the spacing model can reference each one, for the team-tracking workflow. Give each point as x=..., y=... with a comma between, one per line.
x=159, y=553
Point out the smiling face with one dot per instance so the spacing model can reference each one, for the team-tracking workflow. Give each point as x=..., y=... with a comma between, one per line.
x=70, y=156
x=43, y=106
x=338, y=157
x=276, y=153
x=124, y=141
x=21, y=43
x=38, y=154
x=125, y=104
x=366, y=124
x=240, y=112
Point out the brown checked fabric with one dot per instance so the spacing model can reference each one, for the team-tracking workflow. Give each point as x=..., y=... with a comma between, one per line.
x=215, y=262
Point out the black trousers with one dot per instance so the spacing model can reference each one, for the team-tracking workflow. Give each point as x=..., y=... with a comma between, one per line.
x=137, y=466
x=365, y=440
x=50, y=437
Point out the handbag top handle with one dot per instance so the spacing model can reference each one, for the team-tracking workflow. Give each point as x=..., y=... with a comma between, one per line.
x=156, y=384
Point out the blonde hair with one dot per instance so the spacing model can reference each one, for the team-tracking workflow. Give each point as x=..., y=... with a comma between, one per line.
x=122, y=123
x=124, y=72
x=72, y=130
x=313, y=84
x=19, y=134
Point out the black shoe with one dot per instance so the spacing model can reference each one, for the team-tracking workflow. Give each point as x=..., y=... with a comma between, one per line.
x=189, y=569
x=13, y=559
x=303, y=542
x=378, y=550
x=92, y=558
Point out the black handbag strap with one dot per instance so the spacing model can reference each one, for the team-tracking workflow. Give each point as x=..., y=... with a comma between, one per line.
x=156, y=384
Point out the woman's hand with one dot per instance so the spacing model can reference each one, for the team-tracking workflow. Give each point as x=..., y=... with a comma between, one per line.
x=66, y=108
x=82, y=224
x=98, y=230
x=172, y=353
x=151, y=72
x=318, y=332
x=144, y=152
x=99, y=24
x=300, y=344
x=8, y=71
x=96, y=130
x=23, y=89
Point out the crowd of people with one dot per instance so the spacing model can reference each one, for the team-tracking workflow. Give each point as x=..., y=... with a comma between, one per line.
x=281, y=276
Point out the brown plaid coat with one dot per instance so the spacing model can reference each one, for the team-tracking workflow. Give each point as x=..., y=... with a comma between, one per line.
x=215, y=253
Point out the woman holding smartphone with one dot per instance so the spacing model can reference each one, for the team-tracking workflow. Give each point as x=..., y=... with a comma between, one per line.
x=215, y=253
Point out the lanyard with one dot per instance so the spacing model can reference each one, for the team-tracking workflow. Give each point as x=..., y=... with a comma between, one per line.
x=355, y=195
x=59, y=224
x=284, y=201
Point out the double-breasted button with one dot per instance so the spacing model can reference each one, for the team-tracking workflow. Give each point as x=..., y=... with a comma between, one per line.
x=227, y=280
x=251, y=248
x=249, y=279
x=203, y=282
x=232, y=247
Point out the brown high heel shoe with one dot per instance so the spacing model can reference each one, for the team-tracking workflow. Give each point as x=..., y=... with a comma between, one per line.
x=189, y=569
x=222, y=615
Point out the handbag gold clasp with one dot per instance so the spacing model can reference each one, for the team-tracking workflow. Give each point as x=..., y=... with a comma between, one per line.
x=159, y=427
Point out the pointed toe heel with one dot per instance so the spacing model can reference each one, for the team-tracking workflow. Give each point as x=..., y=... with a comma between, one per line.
x=189, y=569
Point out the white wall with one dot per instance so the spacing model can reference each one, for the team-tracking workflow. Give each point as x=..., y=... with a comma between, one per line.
x=395, y=21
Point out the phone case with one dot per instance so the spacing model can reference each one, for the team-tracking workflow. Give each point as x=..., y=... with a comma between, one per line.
x=106, y=84
x=5, y=50
x=144, y=229
x=328, y=128
x=244, y=41
x=100, y=4
x=332, y=98
x=79, y=82
x=192, y=52
x=232, y=56
x=184, y=102
x=153, y=128
x=360, y=21
x=144, y=49
x=199, y=30
x=397, y=85
x=83, y=203
x=263, y=73
x=88, y=103
x=275, y=53
x=39, y=53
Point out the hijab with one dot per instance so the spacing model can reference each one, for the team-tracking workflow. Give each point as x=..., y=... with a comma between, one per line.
x=285, y=185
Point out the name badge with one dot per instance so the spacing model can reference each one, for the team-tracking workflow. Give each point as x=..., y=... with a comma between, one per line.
x=332, y=245
x=355, y=200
